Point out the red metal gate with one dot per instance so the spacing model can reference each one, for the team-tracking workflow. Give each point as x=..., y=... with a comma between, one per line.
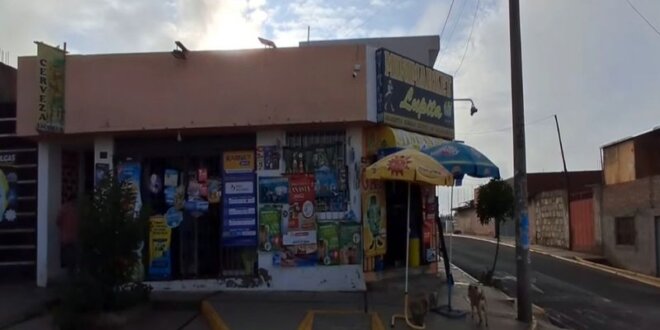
x=582, y=225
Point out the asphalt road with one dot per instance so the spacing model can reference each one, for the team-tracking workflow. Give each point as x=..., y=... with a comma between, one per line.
x=573, y=296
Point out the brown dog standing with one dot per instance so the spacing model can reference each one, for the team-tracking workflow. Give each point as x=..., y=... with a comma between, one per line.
x=478, y=302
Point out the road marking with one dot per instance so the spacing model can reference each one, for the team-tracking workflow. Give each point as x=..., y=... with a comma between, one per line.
x=212, y=317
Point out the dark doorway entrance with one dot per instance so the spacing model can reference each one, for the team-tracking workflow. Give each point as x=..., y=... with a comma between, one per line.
x=397, y=203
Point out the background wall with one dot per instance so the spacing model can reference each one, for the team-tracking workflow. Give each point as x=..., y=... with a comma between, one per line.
x=153, y=91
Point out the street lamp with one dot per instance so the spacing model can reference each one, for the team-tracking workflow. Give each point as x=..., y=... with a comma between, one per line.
x=473, y=109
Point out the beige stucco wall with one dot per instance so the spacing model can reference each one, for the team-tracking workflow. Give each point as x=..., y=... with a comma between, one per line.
x=210, y=89
x=468, y=223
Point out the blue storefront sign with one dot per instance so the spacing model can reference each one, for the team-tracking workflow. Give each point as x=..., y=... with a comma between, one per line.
x=413, y=96
x=239, y=216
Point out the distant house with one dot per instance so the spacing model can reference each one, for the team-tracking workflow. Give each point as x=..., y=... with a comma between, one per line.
x=558, y=217
x=630, y=209
x=467, y=222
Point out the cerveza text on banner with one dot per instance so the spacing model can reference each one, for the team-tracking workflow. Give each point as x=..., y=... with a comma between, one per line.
x=414, y=96
x=50, y=62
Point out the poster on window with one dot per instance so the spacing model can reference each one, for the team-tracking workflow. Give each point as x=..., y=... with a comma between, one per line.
x=238, y=162
x=303, y=255
x=374, y=216
x=8, y=195
x=270, y=235
x=430, y=211
x=160, y=235
x=239, y=218
x=350, y=244
x=268, y=158
x=301, y=227
x=302, y=202
x=273, y=190
x=129, y=173
x=328, y=245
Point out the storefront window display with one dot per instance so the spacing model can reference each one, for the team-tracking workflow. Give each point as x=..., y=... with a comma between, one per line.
x=309, y=203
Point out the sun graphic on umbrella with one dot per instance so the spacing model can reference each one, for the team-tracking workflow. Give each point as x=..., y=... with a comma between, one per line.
x=397, y=165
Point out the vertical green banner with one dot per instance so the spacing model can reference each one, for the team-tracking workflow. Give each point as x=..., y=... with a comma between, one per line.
x=50, y=63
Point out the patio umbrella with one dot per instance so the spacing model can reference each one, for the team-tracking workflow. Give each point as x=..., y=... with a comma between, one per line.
x=411, y=166
x=461, y=160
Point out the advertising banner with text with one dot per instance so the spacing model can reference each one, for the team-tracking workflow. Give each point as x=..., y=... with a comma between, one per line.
x=50, y=61
x=414, y=96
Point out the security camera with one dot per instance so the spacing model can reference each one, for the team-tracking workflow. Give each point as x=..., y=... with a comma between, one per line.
x=355, y=74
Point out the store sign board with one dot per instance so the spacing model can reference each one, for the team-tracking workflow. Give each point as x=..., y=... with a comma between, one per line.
x=239, y=218
x=238, y=161
x=413, y=96
x=50, y=105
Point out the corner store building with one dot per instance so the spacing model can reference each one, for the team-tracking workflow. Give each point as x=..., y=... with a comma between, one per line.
x=153, y=106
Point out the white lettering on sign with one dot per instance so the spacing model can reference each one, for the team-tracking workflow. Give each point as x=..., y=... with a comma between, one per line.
x=7, y=158
x=242, y=187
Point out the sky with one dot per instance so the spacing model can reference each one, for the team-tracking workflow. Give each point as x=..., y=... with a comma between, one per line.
x=593, y=63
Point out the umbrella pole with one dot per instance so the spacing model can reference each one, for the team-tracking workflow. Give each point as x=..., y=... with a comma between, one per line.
x=405, y=294
x=451, y=217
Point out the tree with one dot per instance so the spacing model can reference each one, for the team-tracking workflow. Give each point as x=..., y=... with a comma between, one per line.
x=111, y=235
x=495, y=203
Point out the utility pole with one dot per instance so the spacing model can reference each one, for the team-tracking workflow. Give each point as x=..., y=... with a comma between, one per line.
x=567, y=185
x=519, y=168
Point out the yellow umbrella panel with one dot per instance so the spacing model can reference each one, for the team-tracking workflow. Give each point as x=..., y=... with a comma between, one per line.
x=411, y=166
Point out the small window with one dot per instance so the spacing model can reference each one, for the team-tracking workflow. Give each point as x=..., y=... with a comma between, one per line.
x=625, y=231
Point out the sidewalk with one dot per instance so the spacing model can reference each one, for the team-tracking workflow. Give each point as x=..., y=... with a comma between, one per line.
x=345, y=310
x=21, y=301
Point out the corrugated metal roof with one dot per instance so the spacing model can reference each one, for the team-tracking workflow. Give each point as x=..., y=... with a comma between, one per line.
x=619, y=141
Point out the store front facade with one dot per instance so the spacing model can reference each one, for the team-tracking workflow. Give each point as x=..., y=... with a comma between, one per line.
x=253, y=179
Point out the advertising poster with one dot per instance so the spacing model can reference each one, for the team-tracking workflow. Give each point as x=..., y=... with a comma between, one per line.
x=328, y=246
x=270, y=235
x=239, y=218
x=51, y=88
x=374, y=216
x=268, y=158
x=302, y=202
x=129, y=173
x=274, y=190
x=214, y=190
x=303, y=255
x=430, y=210
x=238, y=162
x=8, y=195
x=160, y=264
x=350, y=244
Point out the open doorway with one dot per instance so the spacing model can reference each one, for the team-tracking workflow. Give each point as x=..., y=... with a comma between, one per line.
x=397, y=206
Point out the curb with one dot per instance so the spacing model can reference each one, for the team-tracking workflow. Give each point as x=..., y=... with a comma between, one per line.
x=639, y=277
x=212, y=317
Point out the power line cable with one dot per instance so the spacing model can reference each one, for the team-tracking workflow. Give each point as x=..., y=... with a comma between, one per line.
x=644, y=18
x=467, y=44
x=453, y=28
x=444, y=25
x=508, y=128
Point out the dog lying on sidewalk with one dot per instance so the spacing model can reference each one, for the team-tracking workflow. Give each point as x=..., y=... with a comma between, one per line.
x=477, y=300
